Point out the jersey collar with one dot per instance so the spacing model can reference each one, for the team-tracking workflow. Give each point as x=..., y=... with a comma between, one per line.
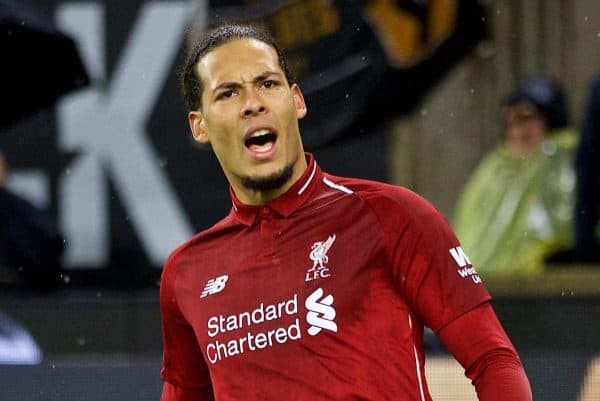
x=287, y=203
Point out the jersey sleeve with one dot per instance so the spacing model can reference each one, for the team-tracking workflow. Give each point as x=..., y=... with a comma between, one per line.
x=184, y=370
x=430, y=269
x=479, y=343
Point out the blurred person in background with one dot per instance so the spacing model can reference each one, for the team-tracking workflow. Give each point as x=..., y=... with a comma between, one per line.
x=587, y=207
x=516, y=209
x=30, y=241
x=313, y=287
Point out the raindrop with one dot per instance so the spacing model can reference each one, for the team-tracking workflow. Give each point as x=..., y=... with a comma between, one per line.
x=472, y=91
x=65, y=278
x=81, y=340
x=99, y=294
x=347, y=95
x=585, y=18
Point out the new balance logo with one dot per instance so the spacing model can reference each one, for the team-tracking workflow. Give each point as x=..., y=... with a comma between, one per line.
x=214, y=285
x=462, y=260
x=320, y=312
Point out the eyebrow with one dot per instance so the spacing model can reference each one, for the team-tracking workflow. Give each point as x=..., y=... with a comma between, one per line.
x=258, y=78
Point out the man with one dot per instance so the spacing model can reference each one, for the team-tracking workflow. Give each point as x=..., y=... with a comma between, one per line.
x=516, y=209
x=314, y=287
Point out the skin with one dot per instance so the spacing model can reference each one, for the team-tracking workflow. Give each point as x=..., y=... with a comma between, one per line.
x=525, y=129
x=245, y=89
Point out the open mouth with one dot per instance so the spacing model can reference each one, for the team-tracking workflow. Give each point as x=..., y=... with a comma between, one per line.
x=261, y=141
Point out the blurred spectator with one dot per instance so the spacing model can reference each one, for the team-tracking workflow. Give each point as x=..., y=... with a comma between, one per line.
x=588, y=181
x=516, y=209
x=29, y=238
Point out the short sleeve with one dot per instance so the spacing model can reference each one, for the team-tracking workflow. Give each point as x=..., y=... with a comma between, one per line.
x=183, y=367
x=432, y=272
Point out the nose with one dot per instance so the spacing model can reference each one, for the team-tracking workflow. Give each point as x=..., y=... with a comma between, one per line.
x=253, y=105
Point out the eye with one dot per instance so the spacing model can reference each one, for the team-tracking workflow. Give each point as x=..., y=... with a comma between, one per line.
x=269, y=83
x=226, y=94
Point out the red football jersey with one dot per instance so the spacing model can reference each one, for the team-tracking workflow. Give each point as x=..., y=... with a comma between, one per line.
x=320, y=295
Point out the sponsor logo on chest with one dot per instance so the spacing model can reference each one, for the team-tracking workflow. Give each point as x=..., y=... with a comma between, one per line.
x=320, y=316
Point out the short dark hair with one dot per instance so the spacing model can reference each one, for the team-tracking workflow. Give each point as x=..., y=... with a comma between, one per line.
x=191, y=83
x=548, y=97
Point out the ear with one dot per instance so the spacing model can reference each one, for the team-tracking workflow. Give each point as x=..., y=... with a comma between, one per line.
x=198, y=127
x=299, y=101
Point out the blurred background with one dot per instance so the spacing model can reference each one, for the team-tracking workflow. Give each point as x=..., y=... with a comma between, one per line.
x=488, y=109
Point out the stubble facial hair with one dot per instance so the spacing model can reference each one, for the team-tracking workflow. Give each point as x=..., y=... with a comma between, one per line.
x=271, y=182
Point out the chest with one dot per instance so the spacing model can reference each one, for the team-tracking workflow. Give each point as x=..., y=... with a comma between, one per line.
x=278, y=285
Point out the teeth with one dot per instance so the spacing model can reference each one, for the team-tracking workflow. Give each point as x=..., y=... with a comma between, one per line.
x=263, y=148
x=259, y=133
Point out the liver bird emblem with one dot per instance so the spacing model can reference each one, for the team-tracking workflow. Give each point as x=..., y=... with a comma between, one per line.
x=318, y=252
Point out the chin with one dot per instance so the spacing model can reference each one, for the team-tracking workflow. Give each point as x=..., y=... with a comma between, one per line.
x=267, y=181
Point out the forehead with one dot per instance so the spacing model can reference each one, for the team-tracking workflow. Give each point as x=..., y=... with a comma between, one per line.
x=237, y=60
x=523, y=108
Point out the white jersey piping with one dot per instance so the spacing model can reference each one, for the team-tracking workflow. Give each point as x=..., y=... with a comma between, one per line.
x=312, y=174
x=417, y=364
x=337, y=186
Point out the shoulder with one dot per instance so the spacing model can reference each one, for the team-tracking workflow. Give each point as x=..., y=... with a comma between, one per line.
x=390, y=203
x=198, y=244
x=493, y=159
x=565, y=139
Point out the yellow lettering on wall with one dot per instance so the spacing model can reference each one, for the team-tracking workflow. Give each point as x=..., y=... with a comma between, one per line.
x=401, y=33
x=442, y=19
x=398, y=31
x=304, y=22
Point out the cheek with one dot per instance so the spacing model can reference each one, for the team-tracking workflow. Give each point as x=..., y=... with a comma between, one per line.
x=220, y=127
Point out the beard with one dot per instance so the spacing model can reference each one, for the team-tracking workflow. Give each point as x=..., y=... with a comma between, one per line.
x=270, y=182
